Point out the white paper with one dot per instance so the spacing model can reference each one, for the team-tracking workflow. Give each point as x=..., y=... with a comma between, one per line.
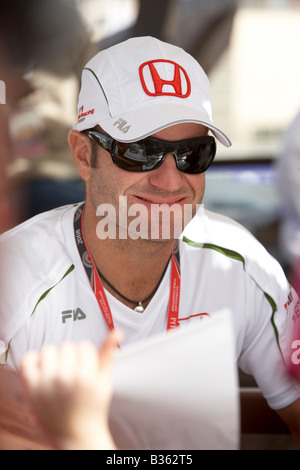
x=175, y=391
x=179, y=390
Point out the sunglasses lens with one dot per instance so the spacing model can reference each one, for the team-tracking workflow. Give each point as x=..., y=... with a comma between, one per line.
x=137, y=156
x=195, y=159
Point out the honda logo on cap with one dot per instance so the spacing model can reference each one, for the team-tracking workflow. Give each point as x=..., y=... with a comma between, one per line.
x=154, y=82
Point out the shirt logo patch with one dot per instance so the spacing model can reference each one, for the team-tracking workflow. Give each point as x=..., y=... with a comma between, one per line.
x=76, y=314
x=154, y=80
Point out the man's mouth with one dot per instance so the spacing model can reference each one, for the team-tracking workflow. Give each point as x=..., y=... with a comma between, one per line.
x=161, y=200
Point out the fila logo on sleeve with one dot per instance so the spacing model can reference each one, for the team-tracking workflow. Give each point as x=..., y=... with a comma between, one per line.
x=155, y=83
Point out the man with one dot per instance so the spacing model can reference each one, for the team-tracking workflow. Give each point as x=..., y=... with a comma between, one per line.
x=142, y=142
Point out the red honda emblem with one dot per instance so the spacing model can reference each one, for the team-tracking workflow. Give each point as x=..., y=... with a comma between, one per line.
x=180, y=83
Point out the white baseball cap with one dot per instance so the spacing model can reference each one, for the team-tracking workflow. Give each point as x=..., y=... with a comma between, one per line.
x=142, y=85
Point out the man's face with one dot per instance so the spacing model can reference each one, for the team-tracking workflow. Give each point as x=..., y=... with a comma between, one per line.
x=158, y=203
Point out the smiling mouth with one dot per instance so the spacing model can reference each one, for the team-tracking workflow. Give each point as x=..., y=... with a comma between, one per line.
x=168, y=202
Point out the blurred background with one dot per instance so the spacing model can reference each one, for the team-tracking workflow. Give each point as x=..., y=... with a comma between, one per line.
x=248, y=48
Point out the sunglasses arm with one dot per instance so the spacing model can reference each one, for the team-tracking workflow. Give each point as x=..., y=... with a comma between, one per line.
x=105, y=141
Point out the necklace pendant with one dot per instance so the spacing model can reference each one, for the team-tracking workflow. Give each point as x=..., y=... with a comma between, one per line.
x=139, y=308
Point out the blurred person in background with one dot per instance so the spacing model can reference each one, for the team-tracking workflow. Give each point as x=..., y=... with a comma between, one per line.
x=288, y=177
x=57, y=47
x=13, y=89
x=43, y=47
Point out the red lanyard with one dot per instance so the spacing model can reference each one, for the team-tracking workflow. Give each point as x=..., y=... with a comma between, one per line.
x=173, y=308
x=97, y=286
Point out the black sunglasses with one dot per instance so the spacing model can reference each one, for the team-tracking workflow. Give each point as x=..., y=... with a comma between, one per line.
x=192, y=156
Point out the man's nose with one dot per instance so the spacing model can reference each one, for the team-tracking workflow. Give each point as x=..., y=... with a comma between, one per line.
x=167, y=176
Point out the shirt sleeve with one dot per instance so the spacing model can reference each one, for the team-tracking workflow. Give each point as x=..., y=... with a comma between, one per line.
x=265, y=347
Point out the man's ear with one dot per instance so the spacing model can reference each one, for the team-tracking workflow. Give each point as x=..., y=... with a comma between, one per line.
x=81, y=149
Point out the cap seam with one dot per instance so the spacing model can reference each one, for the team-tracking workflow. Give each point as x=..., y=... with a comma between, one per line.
x=163, y=55
x=116, y=77
x=99, y=83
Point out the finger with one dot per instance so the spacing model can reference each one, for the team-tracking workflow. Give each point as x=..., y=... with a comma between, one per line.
x=87, y=360
x=108, y=347
x=48, y=362
x=29, y=369
x=67, y=362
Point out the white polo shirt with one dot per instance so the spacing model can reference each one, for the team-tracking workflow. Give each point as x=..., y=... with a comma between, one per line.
x=46, y=296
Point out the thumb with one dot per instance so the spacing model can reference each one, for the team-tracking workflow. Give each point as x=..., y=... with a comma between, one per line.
x=108, y=347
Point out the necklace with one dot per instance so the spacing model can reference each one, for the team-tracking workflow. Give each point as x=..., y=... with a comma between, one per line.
x=139, y=304
x=96, y=284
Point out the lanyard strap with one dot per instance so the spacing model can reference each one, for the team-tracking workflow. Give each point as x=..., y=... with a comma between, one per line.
x=97, y=286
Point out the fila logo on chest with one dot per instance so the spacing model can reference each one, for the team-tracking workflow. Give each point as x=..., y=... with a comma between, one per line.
x=76, y=314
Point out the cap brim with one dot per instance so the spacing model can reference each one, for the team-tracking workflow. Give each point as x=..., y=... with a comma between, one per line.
x=143, y=122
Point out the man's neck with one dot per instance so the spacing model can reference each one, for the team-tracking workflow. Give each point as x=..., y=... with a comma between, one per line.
x=133, y=267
